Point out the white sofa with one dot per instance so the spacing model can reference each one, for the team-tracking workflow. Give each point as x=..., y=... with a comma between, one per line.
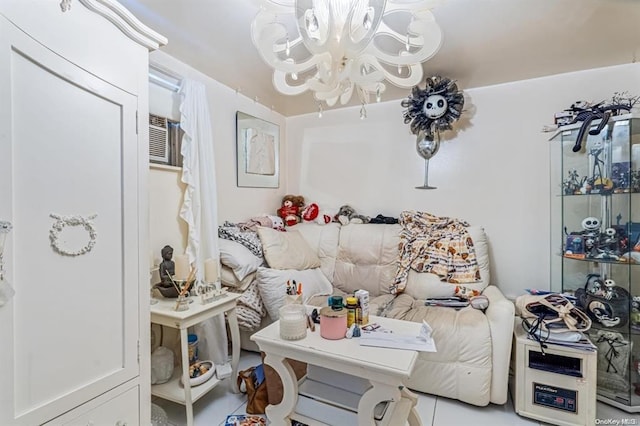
x=474, y=347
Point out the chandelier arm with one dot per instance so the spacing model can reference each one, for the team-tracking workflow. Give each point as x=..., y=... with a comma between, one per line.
x=273, y=60
x=280, y=83
x=393, y=5
x=346, y=95
x=413, y=78
x=433, y=35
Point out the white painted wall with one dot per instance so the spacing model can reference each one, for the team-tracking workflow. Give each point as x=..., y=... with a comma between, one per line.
x=234, y=204
x=493, y=172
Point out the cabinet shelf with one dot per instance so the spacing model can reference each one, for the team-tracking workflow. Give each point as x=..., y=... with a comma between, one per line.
x=594, y=260
x=593, y=194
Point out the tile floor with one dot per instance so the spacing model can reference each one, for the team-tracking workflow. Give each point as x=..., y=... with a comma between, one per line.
x=213, y=408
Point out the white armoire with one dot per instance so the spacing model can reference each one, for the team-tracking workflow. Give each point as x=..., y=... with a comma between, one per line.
x=74, y=339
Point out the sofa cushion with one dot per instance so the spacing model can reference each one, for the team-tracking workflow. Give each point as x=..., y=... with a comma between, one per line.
x=287, y=250
x=238, y=258
x=462, y=366
x=272, y=284
x=367, y=257
x=323, y=239
x=376, y=305
x=422, y=285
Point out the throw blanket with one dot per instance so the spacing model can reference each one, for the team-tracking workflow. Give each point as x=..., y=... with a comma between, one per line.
x=249, y=239
x=439, y=245
x=250, y=308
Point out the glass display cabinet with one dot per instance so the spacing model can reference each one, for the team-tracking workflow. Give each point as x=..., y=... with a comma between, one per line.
x=595, y=230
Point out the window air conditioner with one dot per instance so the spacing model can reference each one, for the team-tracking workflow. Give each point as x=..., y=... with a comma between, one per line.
x=158, y=139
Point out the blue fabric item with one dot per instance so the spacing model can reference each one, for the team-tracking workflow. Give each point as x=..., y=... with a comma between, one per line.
x=259, y=374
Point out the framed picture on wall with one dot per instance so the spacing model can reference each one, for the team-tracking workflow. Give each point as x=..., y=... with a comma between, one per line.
x=258, y=152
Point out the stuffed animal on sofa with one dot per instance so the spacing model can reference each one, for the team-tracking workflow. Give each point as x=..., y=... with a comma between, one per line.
x=276, y=222
x=290, y=210
x=313, y=213
x=347, y=215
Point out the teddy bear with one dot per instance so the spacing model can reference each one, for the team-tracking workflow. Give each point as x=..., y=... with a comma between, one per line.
x=290, y=210
x=347, y=214
x=313, y=213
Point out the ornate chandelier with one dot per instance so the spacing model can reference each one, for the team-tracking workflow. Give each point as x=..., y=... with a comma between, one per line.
x=337, y=47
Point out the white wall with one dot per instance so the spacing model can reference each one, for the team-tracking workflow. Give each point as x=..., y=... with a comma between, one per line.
x=493, y=172
x=234, y=204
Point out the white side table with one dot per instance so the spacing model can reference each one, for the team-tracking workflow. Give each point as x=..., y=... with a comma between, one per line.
x=386, y=370
x=163, y=313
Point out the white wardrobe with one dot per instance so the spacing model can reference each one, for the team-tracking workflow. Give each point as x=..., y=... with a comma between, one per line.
x=74, y=339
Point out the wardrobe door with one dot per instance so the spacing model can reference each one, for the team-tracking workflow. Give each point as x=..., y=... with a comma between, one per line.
x=68, y=184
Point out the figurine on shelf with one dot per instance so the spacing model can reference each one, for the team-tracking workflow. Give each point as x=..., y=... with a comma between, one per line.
x=635, y=180
x=167, y=267
x=635, y=314
x=601, y=184
x=604, y=301
x=591, y=235
x=573, y=184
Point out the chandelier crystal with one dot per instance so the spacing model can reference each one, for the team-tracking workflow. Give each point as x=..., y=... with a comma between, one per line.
x=337, y=47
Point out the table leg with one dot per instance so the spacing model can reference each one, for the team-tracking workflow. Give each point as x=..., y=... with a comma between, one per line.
x=235, y=347
x=414, y=417
x=188, y=401
x=377, y=393
x=279, y=414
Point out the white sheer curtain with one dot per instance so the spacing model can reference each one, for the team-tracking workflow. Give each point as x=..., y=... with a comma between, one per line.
x=200, y=207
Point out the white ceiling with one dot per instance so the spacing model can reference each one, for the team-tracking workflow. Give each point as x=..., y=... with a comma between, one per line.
x=486, y=42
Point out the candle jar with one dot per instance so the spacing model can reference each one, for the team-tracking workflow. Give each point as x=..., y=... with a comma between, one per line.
x=293, y=322
x=333, y=323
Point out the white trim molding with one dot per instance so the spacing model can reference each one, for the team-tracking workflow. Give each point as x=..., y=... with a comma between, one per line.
x=126, y=22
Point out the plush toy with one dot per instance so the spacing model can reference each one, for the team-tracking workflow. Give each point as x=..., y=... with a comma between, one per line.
x=347, y=215
x=313, y=213
x=290, y=210
x=276, y=222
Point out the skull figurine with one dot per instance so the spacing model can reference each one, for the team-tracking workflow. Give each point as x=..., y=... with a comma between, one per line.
x=591, y=224
x=435, y=106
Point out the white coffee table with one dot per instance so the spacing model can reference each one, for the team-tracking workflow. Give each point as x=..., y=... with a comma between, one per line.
x=386, y=369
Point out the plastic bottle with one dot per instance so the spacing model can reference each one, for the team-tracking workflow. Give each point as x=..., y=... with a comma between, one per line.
x=352, y=307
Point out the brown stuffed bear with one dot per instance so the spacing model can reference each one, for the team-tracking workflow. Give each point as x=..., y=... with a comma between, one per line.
x=291, y=208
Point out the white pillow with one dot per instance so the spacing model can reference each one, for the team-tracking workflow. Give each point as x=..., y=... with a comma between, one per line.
x=287, y=250
x=229, y=279
x=272, y=284
x=238, y=258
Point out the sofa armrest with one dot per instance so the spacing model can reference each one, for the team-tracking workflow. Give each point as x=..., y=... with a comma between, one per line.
x=500, y=314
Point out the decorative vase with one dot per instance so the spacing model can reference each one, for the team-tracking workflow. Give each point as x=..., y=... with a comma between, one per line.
x=183, y=303
x=427, y=146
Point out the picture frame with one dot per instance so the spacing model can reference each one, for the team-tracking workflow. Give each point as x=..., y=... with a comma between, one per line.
x=258, y=152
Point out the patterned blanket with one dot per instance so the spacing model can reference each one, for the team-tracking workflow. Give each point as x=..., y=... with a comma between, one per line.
x=439, y=245
x=248, y=238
